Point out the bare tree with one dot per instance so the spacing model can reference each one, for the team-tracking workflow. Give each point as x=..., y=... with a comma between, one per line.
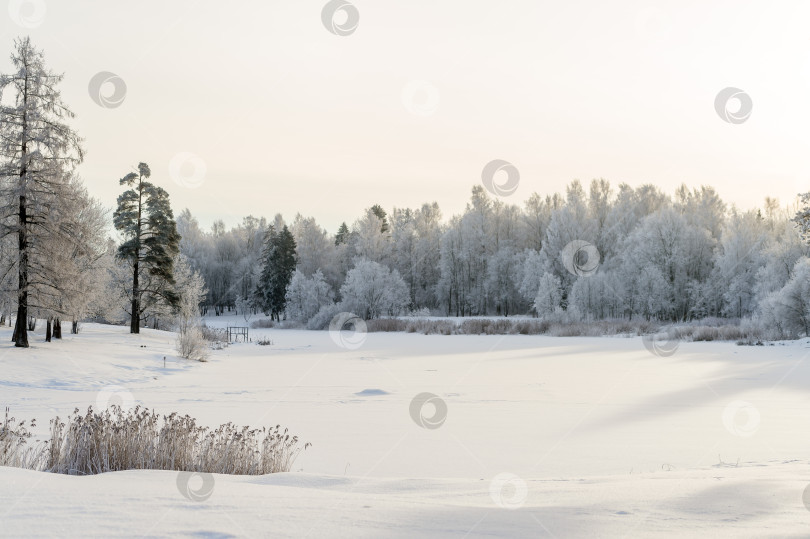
x=38, y=151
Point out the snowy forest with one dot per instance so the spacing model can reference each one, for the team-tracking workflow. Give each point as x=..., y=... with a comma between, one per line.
x=594, y=252
x=601, y=253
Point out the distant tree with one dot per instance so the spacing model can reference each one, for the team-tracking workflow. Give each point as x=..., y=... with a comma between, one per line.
x=788, y=310
x=38, y=151
x=549, y=295
x=342, y=235
x=372, y=290
x=306, y=295
x=144, y=217
x=278, y=265
x=377, y=210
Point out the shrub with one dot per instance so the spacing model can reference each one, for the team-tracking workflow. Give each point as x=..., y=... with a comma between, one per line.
x=140, y=439
x=385, y=324
x=264, y=341
x=431, y=327
x=191, y=344
x=214, y=334
x=324, y=316
x=264, y=323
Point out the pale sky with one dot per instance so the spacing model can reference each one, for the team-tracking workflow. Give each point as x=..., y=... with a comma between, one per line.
x=408, y=108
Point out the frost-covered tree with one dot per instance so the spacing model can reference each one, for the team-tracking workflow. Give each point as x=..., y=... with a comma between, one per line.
x=79, y=267
x=371, y=236
x=38, y=152
x=737, y=261
x=191, y=291
x=307, y=295
x=597, y=296
x=549, y=295
x=371, y=290
x=788, y=310
x=145, y=220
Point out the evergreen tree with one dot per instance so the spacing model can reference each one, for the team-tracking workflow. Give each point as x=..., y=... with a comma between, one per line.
x=38, y=152
x=144, y=216
x=342, y=234
x=377, y=210
x=278, y=265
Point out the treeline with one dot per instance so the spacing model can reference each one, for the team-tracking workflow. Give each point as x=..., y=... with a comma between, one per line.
x=602, y=253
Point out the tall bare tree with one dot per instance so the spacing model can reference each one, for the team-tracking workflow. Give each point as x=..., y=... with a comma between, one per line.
x=38, y=151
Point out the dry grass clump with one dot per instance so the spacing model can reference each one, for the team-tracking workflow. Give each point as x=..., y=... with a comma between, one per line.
x=513, y=326
x=744, y=333
x=386, y=325
x=140, y=439
x=709, y=329
x=214, y=334
x=14, y=448
x=263, y=323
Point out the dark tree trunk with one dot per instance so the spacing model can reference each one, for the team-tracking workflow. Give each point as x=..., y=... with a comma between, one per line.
x=135, y=319
x=48, y=330
x=74, y=328
x=57, y=329
x=20, y=331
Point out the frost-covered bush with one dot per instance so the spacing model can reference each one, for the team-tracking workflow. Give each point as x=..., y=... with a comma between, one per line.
x=192, y=344
x=323, y=317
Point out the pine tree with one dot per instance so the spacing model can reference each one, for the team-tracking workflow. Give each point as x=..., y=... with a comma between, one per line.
x=38, y=152
x=144, y=216
x=342, y=234
x=278, y=265
x=377, y=210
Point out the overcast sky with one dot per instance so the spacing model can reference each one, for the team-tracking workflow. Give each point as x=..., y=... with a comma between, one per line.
x=255, y=107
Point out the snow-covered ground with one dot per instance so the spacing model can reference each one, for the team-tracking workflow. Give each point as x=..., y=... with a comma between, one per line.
x=542, y=436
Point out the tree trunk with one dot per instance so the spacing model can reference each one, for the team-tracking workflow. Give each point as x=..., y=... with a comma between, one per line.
x=20, y=331
x=48, y=330
x=135, y=319
x=57, y=329
x=74, y=328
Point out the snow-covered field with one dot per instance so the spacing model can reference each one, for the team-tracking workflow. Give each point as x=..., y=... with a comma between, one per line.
x=542, y=436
